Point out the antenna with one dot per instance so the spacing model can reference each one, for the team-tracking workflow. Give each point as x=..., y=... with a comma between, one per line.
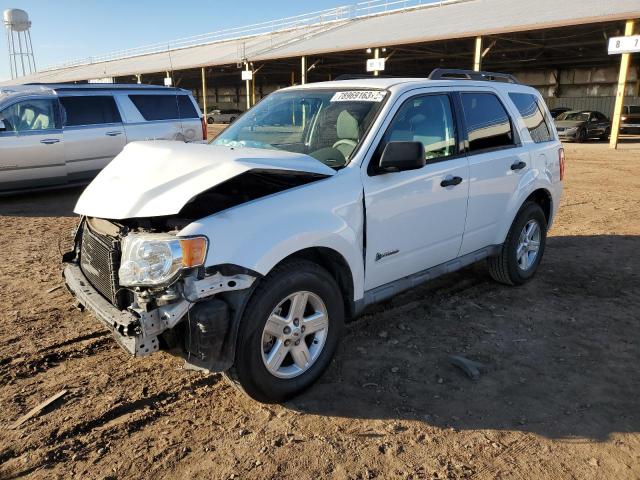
x=18, y=28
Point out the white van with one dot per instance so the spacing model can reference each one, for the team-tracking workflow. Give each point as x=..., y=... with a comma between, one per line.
x=63, y=135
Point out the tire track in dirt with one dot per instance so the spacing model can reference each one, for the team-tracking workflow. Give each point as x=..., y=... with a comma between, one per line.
x=25, y=368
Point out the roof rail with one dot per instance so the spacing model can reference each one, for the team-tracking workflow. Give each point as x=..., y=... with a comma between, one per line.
x=101, y=86
x=458, y=74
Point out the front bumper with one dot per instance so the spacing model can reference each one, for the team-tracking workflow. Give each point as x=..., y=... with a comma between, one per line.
x=564, y=135
x=125, y=326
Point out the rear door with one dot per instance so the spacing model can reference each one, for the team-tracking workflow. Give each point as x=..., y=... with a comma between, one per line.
x=497, y=161
x=93, y=134
x=31, y=145
x=152, y=116
x=190, y=118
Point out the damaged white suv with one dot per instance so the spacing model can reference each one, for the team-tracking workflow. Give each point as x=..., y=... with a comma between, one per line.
x=247, y=255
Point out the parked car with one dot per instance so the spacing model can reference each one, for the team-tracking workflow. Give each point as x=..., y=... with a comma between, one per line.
x=558, y=110
x=582, y=125
x=223, y=116
x=630, y=119
x=62, y=135
x=247, y=255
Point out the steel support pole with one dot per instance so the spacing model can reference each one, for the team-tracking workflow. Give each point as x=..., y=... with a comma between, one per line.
x=376, y=55
x=204, y=94
x=303, y=70
x=477, y=58
x=247, y=86
x=622, y=83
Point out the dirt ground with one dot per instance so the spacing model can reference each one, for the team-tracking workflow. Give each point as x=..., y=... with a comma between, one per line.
x=559, y=396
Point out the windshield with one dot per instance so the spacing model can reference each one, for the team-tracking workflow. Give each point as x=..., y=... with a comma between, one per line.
x=575, y=116
x=327, y=124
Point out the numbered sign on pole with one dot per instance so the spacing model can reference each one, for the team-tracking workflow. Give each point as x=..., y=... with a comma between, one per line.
x=630, y=44
x=375, y=65
x=247, y=75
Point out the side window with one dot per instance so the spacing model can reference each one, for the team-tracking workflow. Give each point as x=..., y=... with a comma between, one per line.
x=187, y=110
x=532, y=115
x=427, y=119
x=30, y=115
x=90, y=110
x=164, y=107
x=488, y=123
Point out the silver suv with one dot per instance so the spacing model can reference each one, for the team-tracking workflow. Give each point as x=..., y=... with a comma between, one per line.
x=62, y=135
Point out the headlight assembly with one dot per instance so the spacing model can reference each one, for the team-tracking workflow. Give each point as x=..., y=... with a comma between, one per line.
x=155, y=259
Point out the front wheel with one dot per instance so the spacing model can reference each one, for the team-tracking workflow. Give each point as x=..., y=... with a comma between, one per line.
x=522, y=251
x=288, y=333
x=582, y=135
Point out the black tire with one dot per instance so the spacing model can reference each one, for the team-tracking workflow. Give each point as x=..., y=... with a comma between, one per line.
x=605, y=135
x=582, y=135
x=210, y=121
x=249, y=373
x=504, y=267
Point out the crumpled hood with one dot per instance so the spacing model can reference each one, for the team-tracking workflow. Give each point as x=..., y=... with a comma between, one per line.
x=150, y=179
x=569, y=123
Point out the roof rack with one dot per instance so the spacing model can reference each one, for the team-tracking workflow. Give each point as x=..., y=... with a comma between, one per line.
x=458, y=74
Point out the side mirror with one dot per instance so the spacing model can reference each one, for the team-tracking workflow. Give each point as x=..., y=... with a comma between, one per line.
x=3, y=127
x=400, y=156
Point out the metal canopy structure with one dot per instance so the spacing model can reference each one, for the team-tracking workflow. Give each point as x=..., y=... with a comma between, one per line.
x=347, y=29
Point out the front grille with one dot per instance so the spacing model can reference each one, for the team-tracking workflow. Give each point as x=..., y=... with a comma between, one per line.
x=99, y=261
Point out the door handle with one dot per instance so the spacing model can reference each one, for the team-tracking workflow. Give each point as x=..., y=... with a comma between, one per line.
x=451, y=182
x=49, y=141
x=518, y=166
x=113, y=134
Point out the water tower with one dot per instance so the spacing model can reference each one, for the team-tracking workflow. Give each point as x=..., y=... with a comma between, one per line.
x=18, y=25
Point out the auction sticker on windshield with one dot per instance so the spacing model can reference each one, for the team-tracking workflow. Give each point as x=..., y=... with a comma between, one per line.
x=359, y=96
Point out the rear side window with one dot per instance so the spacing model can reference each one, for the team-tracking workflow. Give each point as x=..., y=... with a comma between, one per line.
x=164, y=107
x=90, y=110
x=488, y=124
x=532, y=115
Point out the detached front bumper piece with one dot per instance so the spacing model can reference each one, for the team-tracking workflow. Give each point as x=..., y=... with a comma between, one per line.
x=125, y=326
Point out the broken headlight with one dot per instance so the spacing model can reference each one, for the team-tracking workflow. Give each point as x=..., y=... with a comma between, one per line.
x=154, y=259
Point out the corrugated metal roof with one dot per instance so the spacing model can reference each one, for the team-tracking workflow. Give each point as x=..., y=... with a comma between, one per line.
x=451, y=20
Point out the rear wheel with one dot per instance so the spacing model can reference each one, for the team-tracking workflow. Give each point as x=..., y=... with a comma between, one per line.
x=522, y=251
x=289, y=332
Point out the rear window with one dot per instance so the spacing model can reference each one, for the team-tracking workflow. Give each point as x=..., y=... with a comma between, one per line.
x=532, y=115
x=164, y=107
x=488, y=124
x=90, y=110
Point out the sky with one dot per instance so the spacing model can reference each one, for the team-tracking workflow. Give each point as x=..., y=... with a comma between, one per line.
x=65, y=30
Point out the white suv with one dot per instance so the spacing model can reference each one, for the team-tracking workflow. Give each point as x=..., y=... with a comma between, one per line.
x=247, y=255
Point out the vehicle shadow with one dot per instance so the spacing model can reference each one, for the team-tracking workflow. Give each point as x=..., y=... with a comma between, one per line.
x=50, y=203
x=561, y=353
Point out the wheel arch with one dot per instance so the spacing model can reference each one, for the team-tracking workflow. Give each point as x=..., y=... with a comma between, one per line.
x=542, y=197
x=335, y=263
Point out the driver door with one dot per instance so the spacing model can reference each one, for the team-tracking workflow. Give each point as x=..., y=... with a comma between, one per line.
x=31, y=148
x=416, y=218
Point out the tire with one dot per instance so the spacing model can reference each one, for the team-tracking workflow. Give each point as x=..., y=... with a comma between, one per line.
x=210, y=121
x=605, y=135
x=582, y=136
x=254, y=344
x=507, y=267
